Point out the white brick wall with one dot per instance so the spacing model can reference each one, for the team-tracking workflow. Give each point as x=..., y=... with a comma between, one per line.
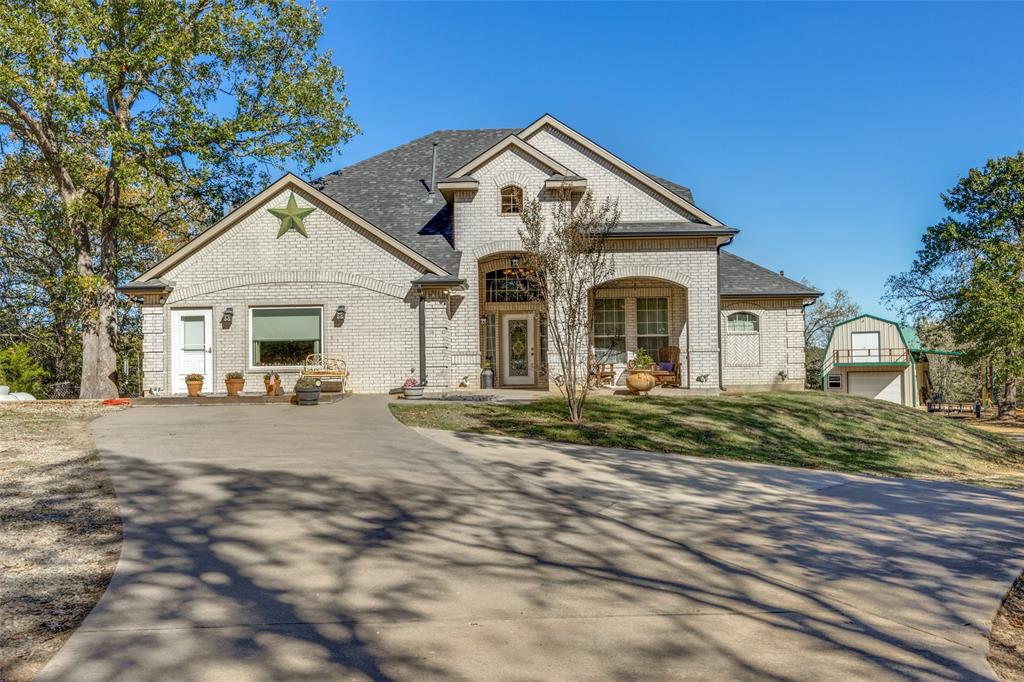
x=780, y=342
x=339, y=264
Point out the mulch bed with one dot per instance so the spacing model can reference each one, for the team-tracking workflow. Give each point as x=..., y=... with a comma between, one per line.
x=1006, y=641
x=61, y=529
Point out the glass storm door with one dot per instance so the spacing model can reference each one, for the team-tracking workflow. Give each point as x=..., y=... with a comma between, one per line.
x=191, y=348
x=517, y=350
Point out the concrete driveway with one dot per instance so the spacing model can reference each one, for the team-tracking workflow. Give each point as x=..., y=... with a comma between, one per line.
x=332, y=543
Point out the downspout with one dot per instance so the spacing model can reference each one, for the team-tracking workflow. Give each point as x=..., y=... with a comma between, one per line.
x=718, y=311
x=423, y=339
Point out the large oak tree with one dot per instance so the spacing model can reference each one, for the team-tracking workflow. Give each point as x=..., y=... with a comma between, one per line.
x=188, y=101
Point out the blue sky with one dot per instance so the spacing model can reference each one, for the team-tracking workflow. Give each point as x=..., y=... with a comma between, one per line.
x=824, y=132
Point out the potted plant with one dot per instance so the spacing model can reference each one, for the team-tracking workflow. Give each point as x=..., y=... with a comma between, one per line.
x=235, y=382
x=412, y=389
x=194, y=383
x=638, y=377
x=271, y=380
x=307, y=391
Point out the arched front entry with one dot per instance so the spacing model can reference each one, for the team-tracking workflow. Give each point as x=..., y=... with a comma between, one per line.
x=639, y=312
x=513, y=328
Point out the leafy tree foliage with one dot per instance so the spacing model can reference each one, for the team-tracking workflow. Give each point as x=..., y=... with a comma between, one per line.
x=182, y=104
x=566, y=252
x=20, y=371
x=969, y=269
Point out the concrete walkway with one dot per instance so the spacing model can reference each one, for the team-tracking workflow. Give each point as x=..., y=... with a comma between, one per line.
x=331, y=543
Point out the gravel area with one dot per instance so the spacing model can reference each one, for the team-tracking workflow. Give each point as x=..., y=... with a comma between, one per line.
x=1006, y=643
x=60, y=529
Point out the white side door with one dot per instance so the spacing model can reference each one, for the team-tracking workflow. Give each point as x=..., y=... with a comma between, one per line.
x=517, y=350
x=191, y=348
x=865, y=347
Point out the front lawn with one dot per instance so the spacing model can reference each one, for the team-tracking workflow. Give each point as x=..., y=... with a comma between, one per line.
x=61, y=530
x=806, y=429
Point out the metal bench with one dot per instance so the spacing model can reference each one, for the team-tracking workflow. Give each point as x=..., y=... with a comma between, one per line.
x=332, y=372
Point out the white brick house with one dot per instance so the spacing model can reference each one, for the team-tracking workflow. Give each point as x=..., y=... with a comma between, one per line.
x=409, y=266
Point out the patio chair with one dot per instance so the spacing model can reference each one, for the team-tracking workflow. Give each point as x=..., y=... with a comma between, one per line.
x=668, y=377
x=600, y=373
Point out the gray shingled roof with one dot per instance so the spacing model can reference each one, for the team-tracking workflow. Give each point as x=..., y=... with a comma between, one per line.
x=670, y=228
x=674, y=187
x=739, y=277
x=391, y=189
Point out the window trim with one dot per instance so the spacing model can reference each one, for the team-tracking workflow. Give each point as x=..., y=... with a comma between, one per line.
x=501, y=199
x=279, y=368
x=757, y=322
x=668, y=322
x=837, y=377
x=625, y=331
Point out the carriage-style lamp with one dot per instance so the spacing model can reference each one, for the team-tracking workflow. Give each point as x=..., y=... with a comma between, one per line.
x=226, y=318
x=483, y=320
x=339, y=314
x=515, y=261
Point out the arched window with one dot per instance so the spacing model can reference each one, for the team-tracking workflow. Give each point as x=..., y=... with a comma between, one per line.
x=511, y=285
x=743, y=322
x=511, y=199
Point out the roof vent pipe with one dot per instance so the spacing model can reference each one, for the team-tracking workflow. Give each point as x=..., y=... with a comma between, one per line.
x=433, y=170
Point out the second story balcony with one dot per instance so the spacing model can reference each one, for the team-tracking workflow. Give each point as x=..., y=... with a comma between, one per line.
x=871, y=356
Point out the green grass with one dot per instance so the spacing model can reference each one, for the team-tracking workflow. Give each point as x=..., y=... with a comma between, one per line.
x=806, y=429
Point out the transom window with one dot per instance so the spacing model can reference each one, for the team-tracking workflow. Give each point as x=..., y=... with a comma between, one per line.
x=511, y=199
x=743, y=322
x=610, y=330
x=511, y=285
x=283, y=337
x=652, y=324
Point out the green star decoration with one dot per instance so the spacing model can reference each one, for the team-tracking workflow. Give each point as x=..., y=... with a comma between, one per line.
x=291, y=217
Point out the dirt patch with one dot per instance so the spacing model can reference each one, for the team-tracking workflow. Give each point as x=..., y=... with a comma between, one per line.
x=1006, y=642
x=61, y=529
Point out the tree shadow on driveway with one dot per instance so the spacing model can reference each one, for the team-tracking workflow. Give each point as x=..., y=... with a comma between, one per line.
x=582, y=563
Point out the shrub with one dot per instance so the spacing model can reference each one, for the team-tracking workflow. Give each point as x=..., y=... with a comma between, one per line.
x=643, y=360
x=20, y=371
x=234, y=375
x=195, y=377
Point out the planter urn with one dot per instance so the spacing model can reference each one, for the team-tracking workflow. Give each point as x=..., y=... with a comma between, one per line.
x=270, y=385
x=639, y=380
x=307, y=396
x=234, y=386
x=413, y=392
x=193, y=388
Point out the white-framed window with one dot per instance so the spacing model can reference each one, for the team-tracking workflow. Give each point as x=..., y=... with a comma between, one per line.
x=835, y=380
x=739, y=323
x=610, y=330
x=511, y=199
x=284, y=336
x=652, y=324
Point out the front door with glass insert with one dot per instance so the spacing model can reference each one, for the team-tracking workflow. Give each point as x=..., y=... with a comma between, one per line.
x=191, y=348
x=517, y=351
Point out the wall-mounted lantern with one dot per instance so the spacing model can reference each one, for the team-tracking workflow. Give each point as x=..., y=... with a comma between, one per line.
x=483, y=320
x=515, y=261
x=225, y=319
x=339, y=315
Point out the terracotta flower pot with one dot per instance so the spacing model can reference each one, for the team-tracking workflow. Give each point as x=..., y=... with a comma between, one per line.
x=270, y=385
x=639, y=381
x=193, y=388
x=234, y=386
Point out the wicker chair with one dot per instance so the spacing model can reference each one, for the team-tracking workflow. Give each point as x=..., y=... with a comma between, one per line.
x=668, y=378
x=332, y=372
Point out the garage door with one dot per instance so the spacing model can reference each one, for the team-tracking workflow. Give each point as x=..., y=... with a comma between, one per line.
x=880, y=385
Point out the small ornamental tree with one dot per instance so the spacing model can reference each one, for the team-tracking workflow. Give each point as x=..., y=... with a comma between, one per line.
x=565, y=246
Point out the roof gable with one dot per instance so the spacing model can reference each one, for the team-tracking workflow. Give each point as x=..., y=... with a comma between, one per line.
x=672, y=195
x=288, y=181
x=512, y=142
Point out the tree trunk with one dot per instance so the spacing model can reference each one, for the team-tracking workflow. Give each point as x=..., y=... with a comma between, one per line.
x=1008, y=405
x=99, y=347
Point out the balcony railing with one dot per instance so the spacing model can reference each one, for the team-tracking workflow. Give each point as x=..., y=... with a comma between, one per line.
x=870, y=355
